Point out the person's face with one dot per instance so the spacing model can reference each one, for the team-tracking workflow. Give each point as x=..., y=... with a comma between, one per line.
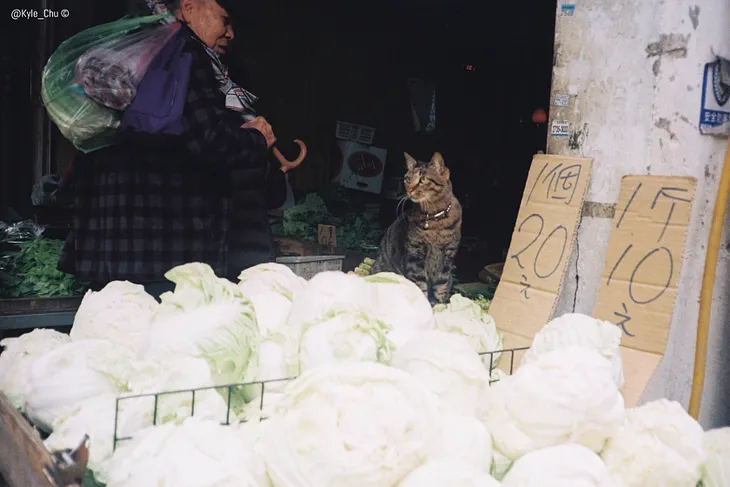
x=209, y=21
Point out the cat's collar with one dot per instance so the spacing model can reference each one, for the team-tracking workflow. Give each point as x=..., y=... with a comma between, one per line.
x=440, y=215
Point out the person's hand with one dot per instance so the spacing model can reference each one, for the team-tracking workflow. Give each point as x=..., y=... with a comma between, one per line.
x=260, y=124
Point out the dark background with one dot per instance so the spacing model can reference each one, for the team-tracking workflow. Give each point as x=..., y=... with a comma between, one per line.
x=315, y=62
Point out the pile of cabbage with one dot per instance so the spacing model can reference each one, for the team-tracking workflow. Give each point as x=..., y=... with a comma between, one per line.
x=371, y=387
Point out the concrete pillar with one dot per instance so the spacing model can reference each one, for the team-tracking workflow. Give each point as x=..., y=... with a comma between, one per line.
x=634, y=69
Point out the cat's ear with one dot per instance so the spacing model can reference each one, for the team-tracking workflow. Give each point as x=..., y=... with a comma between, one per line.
x=410, y=161
x=437, y=161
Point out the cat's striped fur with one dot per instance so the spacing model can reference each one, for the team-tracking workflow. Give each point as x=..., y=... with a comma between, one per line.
x=422, y=243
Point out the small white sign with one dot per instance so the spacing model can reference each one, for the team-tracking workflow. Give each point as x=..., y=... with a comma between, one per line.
x=567, y=9
x=562, y=100
x=560, y=128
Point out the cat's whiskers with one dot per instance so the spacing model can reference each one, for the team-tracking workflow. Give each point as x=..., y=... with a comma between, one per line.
x=401, y=205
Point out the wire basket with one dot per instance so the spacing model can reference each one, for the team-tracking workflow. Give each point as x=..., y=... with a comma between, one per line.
x=229, y=388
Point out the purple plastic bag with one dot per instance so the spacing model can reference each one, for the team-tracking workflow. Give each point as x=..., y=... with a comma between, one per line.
x=157, y=107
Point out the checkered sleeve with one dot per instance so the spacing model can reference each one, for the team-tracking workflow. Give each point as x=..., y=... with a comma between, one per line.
x=212, y=131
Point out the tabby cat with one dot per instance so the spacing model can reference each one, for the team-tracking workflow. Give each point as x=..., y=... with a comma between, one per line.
x=422, y=242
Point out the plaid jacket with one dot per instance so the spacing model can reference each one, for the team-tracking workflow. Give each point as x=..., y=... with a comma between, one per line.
x=152, y=203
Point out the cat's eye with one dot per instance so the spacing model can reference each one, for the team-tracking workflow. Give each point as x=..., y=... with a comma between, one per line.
x=425, y=180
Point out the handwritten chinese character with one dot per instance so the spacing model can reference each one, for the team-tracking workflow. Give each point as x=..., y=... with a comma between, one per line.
x=563, y=183
x=525, y=286
x=625, y=318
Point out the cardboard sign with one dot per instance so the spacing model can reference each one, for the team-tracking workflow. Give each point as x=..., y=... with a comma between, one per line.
x=639, y=280
x=327, y=235
x=541, y=245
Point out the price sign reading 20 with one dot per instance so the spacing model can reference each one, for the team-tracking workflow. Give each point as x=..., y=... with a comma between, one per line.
x=542, y=241
x=545, y=267
x=550, y=207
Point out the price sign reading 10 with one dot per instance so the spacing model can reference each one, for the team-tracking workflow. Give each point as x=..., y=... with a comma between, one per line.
x=644, y=257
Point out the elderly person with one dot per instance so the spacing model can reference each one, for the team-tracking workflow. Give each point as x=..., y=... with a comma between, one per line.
x=152, y=203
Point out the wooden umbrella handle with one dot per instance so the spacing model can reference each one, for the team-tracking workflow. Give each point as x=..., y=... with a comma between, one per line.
x=286, y=164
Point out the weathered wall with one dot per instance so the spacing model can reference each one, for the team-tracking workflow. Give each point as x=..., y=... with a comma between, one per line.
x=635, y=68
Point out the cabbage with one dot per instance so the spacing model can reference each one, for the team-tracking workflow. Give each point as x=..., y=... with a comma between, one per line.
x=250, y=435
x=716, y=472
x=356, y=424
x=271, y=288
x=659, y=444
x=446, y=364
x=565, y=396
x=577, y=329
x=497, y=375
x=120, y=313
x=325, y=292
x=17, y=358
x=96, y=416
x=198, y=453
x=343, y=336
x=464, y=316
x=176, y=374
x=225, y=335
x=330, y=289
x=465, y=438
x=206, y=317
x=566, y=465
x=448, y=472
x=196, y=285
x=401, y=304
x=500, y=465
x=62, y=379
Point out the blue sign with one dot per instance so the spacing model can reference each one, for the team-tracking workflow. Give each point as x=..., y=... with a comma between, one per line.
x=715, y=112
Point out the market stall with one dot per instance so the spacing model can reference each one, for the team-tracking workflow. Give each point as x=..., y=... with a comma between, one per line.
x=33, y=292
x=240, y=381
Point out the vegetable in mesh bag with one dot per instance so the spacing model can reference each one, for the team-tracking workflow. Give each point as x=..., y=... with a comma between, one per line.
x=121, y=313
x=445, y=364
x=197, y=453
x=325, y=292
x=17, y=358
x=350, y=425
x=659, y=444
x=716, y=471
x=566, y=465
x=564, y=396
x=465, y=438
x=63, y=378
x=206, y=317
x=578, y=329
x=272, y=288
x=85, y=122
x=109, y=73
x=462, y=315
x=448, y=472
x=401, y=304
x=97, y=417
x=343, y=335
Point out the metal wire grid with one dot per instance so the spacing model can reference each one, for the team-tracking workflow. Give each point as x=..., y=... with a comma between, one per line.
x=229, y=388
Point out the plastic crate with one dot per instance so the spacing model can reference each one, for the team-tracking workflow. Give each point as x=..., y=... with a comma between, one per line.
x=308, y=266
